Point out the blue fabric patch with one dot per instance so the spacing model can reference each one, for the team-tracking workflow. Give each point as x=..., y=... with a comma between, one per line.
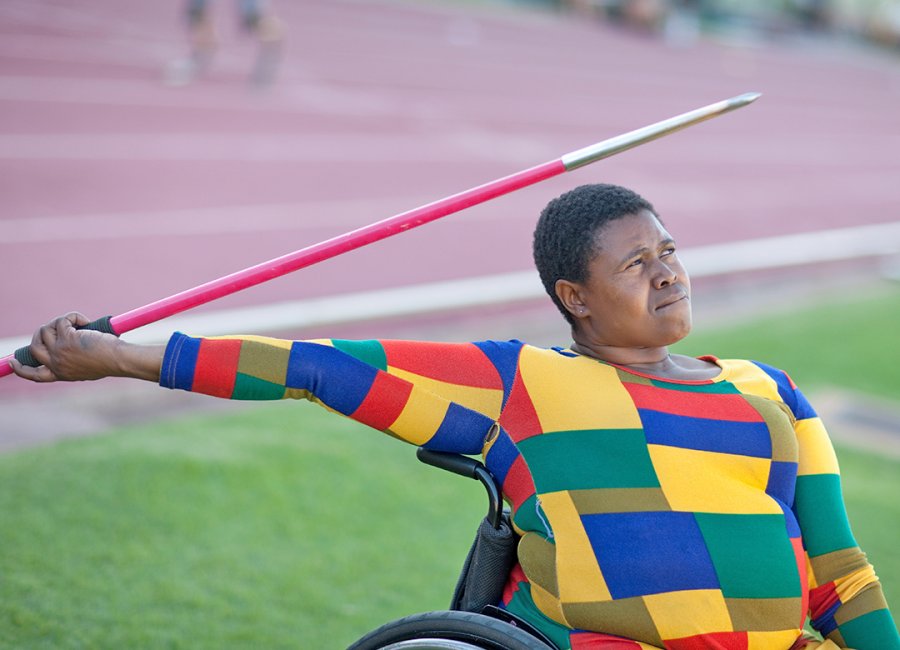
x=501, y=456
x=800, y=407
x=505, y=358
x=804, y=409
x=339, y=380
x=744, y=438
x=790, y=522
x=179, y=361
x=636, y=559
x=782, y=481
x=826, y=624
x=462, y=431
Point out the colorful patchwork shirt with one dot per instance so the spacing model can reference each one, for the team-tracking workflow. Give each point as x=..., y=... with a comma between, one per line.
x=653, y=513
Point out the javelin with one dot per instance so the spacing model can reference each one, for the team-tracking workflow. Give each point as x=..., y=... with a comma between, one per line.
x=385, y=228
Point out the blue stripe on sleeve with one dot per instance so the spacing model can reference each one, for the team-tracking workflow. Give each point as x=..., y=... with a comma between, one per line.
x=179, y=361
x=462, y=431
x=790, y=395
x=505, y=358
x=501, y=456
x=339, y=380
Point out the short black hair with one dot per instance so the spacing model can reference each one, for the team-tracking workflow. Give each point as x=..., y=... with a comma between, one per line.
x=565, y=236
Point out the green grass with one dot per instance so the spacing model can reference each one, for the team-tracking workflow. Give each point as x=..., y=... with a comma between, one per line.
x=283, y=526
x=276, y=528
x=851, y=343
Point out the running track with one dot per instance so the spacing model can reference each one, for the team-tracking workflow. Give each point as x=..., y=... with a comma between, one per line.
x=119, y=190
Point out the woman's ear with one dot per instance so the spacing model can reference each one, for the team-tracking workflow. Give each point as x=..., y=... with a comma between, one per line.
x=569, y=294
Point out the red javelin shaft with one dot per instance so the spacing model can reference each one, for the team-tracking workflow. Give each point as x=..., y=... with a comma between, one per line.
x=330, y=248
x=402, y=222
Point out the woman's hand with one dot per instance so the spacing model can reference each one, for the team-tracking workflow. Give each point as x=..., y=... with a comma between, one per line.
x=70, y=354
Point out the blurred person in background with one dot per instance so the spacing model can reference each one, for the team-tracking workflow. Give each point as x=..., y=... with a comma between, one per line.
x=256, y=18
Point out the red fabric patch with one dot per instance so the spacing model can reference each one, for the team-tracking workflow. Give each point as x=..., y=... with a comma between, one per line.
x=799, y=553
x=598, y=641
x=516, y=578
x=519, y=417
x=711, y=406
x=518, y=485
x=384, y=402
x=456, y=363
x=713, y=641
x=822, y=598
x=217, y=366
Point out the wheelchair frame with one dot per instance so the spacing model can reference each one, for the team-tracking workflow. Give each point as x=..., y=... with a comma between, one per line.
x=473, y=621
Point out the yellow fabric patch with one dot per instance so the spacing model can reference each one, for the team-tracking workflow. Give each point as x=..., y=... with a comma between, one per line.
x=578, y=574
x=420, y=418
x=769, y=640
x=548, y=604
x=707, y=481
x=816, y=453
x=603, y=403
x=679, y=614
x=851, y=585
x=750, y=378
x=484, y=400
x=810, y=572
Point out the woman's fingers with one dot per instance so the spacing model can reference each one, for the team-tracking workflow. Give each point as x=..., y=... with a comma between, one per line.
x=42, y=374
x=77, y=319
x=47, y=343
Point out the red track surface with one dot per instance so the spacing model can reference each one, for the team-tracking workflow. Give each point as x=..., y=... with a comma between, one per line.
x=119, y=190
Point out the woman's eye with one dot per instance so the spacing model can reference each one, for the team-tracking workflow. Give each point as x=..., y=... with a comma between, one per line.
x=669, y=251
x=635, y=262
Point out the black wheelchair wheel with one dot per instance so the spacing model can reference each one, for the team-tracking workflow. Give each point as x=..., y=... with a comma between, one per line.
x=449, y=630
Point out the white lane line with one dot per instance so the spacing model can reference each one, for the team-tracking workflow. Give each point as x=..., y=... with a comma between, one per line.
x=309, y=215
x=750, y=255
x=221, y=146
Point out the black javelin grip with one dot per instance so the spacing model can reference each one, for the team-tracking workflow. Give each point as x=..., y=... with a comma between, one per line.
x=23, y=355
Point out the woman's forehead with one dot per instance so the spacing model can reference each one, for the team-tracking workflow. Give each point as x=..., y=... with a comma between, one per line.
x=629, y=231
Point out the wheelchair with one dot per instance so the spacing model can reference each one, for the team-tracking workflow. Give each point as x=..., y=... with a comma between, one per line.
x=473, y=621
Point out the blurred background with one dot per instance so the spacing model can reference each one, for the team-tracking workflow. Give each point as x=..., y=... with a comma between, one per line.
x=148, y=147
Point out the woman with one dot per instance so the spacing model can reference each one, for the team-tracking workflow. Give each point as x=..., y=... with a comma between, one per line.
x=671, y=501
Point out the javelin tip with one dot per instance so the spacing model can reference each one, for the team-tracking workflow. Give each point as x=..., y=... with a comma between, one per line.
x=743, y=100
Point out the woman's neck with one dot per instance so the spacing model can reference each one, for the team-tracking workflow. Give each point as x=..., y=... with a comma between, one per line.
x=644, y=359
x=655, y=361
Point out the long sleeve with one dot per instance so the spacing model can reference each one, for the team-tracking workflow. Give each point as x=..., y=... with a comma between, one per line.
x=438, y=395
x=846, y=600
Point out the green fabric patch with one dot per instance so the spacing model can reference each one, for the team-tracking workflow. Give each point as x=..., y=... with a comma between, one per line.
x=253, y=388
x=820, y=511
x=752, y=555
x=522, y=604
x=582, y=460
x=718, y=388
x=370, y=352
x=872, y=630
x=530, y=516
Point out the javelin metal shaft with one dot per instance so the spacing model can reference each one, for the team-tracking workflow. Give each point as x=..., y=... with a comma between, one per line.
x=404, y=221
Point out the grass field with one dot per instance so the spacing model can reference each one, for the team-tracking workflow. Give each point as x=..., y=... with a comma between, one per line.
x=282, y=526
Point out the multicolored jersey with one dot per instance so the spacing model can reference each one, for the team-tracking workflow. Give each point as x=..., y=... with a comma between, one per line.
x=653, y=513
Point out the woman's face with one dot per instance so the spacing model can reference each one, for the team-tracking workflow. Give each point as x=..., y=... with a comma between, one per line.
x=637, y=293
